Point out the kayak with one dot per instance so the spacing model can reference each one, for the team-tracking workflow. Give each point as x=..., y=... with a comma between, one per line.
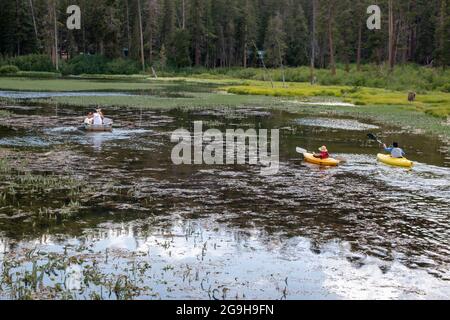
x=398, y=162
x=98, y=128
x=330, y=162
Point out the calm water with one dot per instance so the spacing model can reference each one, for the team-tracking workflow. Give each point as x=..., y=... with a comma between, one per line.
x=362, y=230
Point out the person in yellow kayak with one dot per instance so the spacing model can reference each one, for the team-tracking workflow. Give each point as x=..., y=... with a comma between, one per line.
x=395, y=151
x=323, y=153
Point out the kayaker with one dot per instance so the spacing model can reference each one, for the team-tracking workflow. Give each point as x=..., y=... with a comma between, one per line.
x=395, y=150
x=323, y=153
x=98, y=117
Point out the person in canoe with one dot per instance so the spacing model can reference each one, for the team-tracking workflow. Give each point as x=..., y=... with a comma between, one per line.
x=323, y=153
x=89, y=119
x=395, y=150
x=98, y=117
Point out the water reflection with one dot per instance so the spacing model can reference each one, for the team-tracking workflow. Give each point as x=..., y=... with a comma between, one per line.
x=362, y=230
x=191, y=260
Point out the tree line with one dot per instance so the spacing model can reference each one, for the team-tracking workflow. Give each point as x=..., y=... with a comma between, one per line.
x=231, y=33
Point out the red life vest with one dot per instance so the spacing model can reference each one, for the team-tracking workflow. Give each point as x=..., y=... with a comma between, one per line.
x=324, y=155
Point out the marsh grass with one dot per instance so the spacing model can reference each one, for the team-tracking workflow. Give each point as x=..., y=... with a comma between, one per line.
x=196, y=101
x=28, y=190
x=433, y=103
x=122, y=84
x=41, y=275
x=4, y=113
x=5, y=166
x=60, y=85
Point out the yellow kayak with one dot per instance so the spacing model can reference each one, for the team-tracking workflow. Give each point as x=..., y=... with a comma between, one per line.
x=330, y=162
x=398, y=162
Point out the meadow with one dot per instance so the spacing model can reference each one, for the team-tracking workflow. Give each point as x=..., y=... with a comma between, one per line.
x=433, y=103
x=404, y=77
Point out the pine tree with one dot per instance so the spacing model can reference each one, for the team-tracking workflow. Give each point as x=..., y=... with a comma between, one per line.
x=7, y=27
x=246, y=31
x=275, y=42
x=426, y=31
x=152, y=27
x=167, y=23
x=230, y=32
x=181, y=44
x=346, y=34
x=297, y=35
x=197, y=28
x=443, y=34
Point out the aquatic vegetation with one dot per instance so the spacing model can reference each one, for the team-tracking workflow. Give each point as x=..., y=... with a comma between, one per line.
x=98, y=83
x=4, y=113
x=58, y=85
x=5, y=167
x=42, y=275
x=23, y=188
x=196, y=101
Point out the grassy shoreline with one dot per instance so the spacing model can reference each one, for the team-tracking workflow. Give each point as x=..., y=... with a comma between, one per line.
x=428, y=114
x=435, y=103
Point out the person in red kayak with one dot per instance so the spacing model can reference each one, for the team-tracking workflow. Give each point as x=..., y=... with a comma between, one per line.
x=323, y=153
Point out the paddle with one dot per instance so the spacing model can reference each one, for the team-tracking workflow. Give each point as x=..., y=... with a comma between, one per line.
x=373, y=137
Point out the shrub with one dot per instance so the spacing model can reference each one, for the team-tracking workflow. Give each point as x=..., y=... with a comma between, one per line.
x=33, y=62
x=39, y=74
x=122, y=66
x=95, y=64
x=243, y=73
x=85, y=64
x=445, y=88
x=9, y=69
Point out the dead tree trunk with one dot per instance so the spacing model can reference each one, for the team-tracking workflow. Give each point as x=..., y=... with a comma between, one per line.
x=358, y=52
x=56, y=35
x=330, y=38
x=128, y=25
x=33, y=16
x=313, y=43
x=183, y=23
x=141, y=36
x=391, y=37
x=245, y=48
